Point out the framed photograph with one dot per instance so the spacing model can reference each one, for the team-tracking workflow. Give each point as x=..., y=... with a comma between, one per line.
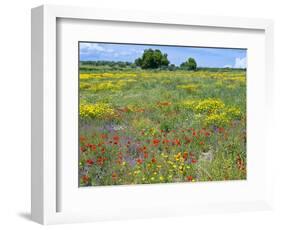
x=140, y=114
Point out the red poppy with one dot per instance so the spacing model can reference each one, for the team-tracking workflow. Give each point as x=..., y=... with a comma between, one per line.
x=153, y=160
x=116, y=138
x=93, y=147
x=165, y=141
x=139, y=161
x=90, y=162
x=185, y=155
x=177, y=142
x=103, y=136
x=155, y=142
x=201, y=131
x=145, y=155
x=189, y=178
x=82, y=138
x=193, y=161
x=194, y=133
x=240, y=163
x=100, y=160
x=85, y=179
x=221, y=130
x=82, y=149
x=201, y=143
x=114, y=176
x=207, y=134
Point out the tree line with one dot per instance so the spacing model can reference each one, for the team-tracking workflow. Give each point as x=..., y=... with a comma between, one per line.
x=150, y=59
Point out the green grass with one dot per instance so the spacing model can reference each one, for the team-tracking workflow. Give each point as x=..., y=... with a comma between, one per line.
x=162, y=126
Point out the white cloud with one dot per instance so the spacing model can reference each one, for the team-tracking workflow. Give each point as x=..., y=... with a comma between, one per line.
x=240, y=63
x=90, y=47
x=107, y=51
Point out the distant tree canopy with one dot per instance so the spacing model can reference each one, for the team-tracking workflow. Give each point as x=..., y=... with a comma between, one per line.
x=152, y=59
x=108, y=63
x=190, y=64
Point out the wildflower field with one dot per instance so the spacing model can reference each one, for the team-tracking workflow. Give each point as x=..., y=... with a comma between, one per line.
x=158, y=126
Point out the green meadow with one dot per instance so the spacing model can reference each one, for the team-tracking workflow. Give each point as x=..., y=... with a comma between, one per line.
x=161, y=126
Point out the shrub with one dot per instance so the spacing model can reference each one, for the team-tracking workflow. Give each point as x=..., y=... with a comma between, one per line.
x=152, y=59
x=217, y=119
x=209, y=105
x=234, y=112
x=190, y=64
x=98, y=110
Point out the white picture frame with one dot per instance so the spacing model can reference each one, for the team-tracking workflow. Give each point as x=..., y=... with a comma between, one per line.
x=45, y=206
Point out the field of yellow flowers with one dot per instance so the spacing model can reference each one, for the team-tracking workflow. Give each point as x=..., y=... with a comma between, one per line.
x=158, y=126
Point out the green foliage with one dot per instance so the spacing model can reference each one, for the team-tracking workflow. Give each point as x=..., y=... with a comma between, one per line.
x=152, y=59
x=98, y=66
x=167, y=125
x=190, y=64
x=172, y=67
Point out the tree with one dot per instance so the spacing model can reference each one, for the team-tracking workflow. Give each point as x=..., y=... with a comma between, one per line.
x=152, y=59
x=172, y=67
x=138, y=62
x=190, y=64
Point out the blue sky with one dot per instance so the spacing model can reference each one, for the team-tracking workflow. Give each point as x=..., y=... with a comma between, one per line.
x=205, y=57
